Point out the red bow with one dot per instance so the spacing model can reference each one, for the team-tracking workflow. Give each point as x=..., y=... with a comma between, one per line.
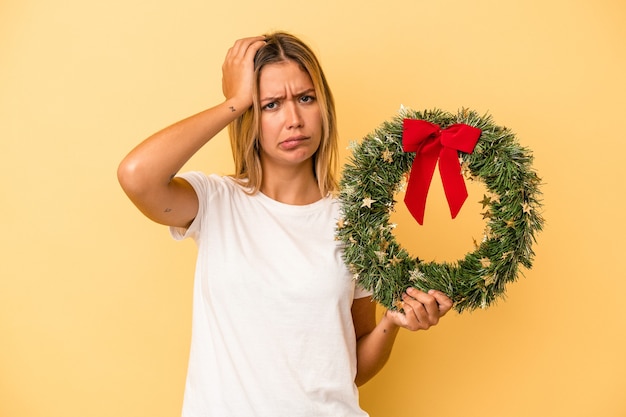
x=431, y=143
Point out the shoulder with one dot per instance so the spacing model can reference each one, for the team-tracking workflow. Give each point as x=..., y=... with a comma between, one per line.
x=333, y=204
x=207, y=185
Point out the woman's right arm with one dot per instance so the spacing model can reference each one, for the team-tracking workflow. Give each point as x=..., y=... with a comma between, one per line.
x=147, y=173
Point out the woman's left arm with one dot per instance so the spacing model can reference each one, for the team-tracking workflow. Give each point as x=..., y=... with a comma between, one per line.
x=420, y=311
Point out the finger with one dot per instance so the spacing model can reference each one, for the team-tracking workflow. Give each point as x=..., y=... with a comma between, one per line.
x=444, y=302
x=417, y=316
x=241, y=55
x=254, y=47
x=241, y=46
x=429, y=304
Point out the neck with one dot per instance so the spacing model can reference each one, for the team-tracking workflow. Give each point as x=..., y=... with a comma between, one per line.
x=295, y=187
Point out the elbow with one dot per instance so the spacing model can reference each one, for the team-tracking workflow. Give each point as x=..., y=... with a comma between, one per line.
x=360, y=381
x=125, y=174
x=364, y=375
x=128, y=176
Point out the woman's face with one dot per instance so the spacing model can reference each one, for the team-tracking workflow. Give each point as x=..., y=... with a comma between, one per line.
x=291, y=122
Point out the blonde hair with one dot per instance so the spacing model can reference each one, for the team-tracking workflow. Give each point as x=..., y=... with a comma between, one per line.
x=245, y=130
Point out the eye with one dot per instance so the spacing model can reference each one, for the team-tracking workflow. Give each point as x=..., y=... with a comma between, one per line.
x=307, y=99
x=270, y=106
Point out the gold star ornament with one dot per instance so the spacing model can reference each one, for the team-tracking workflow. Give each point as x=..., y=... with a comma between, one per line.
x=367, y=202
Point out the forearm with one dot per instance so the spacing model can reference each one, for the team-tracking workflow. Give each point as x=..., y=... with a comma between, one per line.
x=374, y=349
x=154, y=161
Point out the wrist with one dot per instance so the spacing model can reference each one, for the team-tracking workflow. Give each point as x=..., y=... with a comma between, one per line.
x=237, y=107
x=387, y=324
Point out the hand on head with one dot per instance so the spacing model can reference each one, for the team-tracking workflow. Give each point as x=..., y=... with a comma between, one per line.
x=238, y=70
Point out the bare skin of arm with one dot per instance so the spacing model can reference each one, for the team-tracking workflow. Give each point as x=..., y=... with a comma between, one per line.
x=375, y=341
x=147, y=173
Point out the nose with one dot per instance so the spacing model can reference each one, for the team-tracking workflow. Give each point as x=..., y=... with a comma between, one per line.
x=293, y=115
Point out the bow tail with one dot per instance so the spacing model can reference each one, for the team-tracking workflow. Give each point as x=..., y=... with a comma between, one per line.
x=452, y=180
x=421, y=175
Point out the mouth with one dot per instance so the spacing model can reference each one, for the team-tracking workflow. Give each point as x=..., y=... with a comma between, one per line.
x=293, y=141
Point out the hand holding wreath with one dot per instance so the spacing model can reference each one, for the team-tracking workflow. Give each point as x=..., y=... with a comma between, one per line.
x=420, y=310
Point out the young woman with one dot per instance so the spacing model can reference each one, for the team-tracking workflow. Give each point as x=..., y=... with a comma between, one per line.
x=280, y=328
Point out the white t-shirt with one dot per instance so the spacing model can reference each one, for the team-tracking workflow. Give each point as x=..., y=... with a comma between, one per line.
x=272, y=330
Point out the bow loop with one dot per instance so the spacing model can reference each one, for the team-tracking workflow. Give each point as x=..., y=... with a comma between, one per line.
x=431, y=144
x=461, y=137
x=416, y=132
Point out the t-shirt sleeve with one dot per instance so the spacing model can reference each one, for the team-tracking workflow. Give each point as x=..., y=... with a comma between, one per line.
x=360, y=292
x=200, y=183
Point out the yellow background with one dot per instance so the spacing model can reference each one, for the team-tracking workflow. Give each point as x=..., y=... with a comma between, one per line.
x=95, y=299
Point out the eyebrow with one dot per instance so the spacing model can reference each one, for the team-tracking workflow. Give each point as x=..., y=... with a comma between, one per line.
x=275, y=98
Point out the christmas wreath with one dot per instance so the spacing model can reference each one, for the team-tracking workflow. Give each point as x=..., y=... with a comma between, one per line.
x=465, y=146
